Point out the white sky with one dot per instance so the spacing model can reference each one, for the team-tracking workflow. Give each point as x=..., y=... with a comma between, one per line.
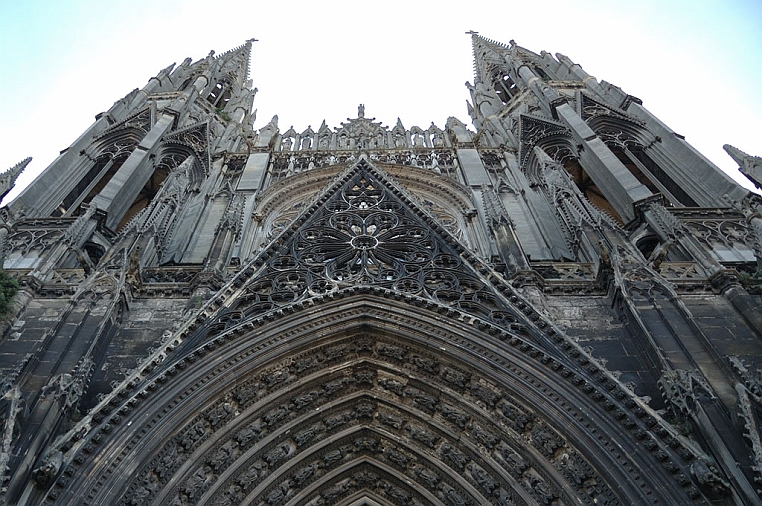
x=695, y=64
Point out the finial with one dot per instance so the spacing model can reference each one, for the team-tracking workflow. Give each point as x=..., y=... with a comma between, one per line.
x=361, y=111
x=471, y=32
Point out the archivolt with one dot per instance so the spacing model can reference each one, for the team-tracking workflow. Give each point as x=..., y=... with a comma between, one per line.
x=366, y=395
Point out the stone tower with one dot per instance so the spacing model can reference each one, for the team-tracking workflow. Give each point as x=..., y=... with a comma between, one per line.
x=559, y=307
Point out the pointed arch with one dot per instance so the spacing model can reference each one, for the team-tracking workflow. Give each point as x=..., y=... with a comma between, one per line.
x=319, y=353
x=370, y=380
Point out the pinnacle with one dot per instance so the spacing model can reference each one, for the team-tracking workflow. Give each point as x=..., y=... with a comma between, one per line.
x=8, y=178
x=736, y=154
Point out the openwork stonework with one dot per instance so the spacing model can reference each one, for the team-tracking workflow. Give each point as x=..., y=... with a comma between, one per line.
x=560, y=307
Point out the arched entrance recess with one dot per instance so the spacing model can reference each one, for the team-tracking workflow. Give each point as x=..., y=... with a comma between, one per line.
x=374, y=395
x=366, y=357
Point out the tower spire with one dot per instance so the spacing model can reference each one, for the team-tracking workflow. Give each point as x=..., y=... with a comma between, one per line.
x=235, y=62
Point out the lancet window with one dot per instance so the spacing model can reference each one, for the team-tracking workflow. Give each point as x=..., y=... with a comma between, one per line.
x=220, y=95
x=100, y=173
x=631, y=153
x=504, y=86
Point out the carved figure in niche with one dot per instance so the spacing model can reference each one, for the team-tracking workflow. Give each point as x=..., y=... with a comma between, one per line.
x=543, y=490
x=521, y=420
x=247, y=479
x=390, y=419
x=397, y=495
x=364, y=411
x=332, y=457
x=425, y=364
x=421, y=399
x=427, y=476
x=336, y=352
x=366, y=480
x=334, y=386
x=324, y=141
x=193, y=435
x=366, y=444
x=221, y=456
x=331, y=494
x=436, y=137
x=482, y=479
x=392, y=385
x=455, y=377
x=166, y=463
x=220, y=414
x=291, y=162
x=303, y=400
x=453, y=455
x=516, y=464
x=334, y=421
x=286, y=143
x=250, y=433
x=485, y=394
x=364, y=377
x=304, y=364
x=276, y=377
x=195, y=484
x=306, y=142
x=276, y=415
x=453, y=415
x=422, y=435
x=306, y=435
x=278, y=494
x=140, y=495
x=277, y=454
x=388, y=350
x=452, y=497
x=304, y=474
x=484, y=437
x=397, y=457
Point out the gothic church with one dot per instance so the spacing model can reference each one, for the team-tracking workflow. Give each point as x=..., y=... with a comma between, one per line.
x=556, y=305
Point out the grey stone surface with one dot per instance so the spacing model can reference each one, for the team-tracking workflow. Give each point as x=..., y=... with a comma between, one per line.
x=534, y=312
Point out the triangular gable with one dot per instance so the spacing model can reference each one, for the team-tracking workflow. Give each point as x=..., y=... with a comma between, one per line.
x=533, y=130
x=591, y=108
x=196, y=137
x=142, y=120
x=364, y=232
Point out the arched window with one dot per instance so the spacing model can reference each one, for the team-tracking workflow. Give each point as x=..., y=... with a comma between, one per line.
x=220, y=95
x=96, y=178
x=504, y=86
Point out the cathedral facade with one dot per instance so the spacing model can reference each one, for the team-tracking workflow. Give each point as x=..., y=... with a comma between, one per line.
x=556, y=305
